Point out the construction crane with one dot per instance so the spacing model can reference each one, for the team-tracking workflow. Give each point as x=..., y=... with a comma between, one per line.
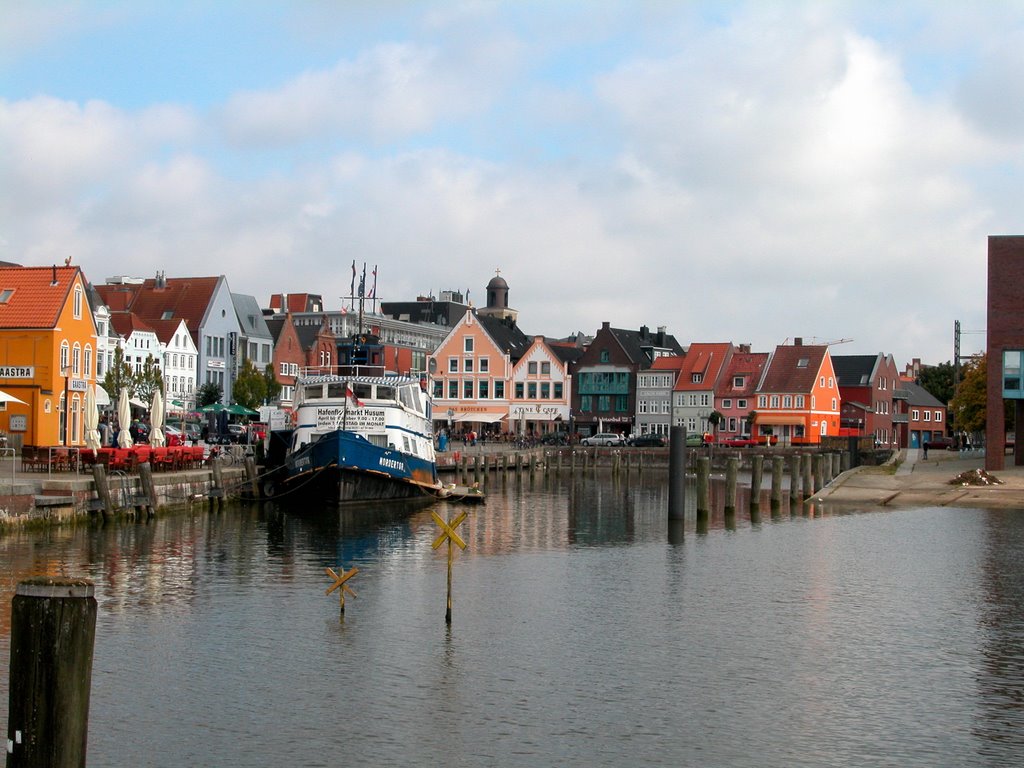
x=822, y=342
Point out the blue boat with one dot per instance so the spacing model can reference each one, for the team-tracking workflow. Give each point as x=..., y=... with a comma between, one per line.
x=355, y=439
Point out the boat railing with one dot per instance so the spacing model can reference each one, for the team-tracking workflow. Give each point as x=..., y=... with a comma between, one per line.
x=375, y=371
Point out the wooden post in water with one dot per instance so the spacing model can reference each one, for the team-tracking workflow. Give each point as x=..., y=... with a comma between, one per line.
x=572, y=461
x=808, y=487
x=844, y=463
x=99, y=476
x=703, y=483
x=476, y=469
x=148, y=488
x=776, y=500
x=677, y=474
x=53, y=631
x=732, y=465
x=794, y=478
x=464, y=474
x=252, y=478
x=558, y=466
x=217, y=492
x=756, y=472
x=819, y=472
x=518, y=462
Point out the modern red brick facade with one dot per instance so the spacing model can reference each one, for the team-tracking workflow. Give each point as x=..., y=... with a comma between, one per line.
x=1005, y=338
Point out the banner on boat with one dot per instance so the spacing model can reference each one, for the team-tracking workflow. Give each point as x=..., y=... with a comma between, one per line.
x=357, y=420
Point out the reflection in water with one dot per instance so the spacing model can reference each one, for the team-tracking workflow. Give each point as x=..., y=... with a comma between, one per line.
x=587, y=630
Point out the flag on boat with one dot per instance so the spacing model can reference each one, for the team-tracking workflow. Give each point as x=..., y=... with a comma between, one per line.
x=353, y=401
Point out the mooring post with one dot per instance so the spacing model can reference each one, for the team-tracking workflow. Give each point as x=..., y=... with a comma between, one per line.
x=732, y=466
x=53, y=631
x=756, y=471
x=252, y=477
x=819, y=472
x=217, y=492
x=677, y=474
x=148, y=488
x=99, y=476
x=776, y=499
x=808, y=486
x=794, y=478
x=703, y=483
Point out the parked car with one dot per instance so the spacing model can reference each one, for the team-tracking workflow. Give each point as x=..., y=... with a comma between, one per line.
x=236, y=433
x=604, y=438
x=648, y=441
x=696, y=440
x=738, y=441
x=938, y=443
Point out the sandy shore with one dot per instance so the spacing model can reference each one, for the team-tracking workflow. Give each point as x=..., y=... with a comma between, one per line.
x=913, y=480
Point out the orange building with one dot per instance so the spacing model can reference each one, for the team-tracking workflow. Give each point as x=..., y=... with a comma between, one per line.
x=47, y=354
x=798, y=400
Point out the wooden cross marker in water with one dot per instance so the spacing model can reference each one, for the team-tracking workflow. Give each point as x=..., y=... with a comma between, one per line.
x=340, y=577
x=449, y=534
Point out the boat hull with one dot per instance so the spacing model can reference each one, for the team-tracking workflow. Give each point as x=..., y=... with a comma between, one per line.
x=344, y=467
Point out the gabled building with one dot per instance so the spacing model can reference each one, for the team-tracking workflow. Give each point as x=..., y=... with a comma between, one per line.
x=289, y=356
x=47, y=354
x=734, y=396
x=605, y=377
x=541, y=390
x=255, y=343
x=798, y=397
x=872, y=399
x=926, y=416
x=693, y=399
x=319, y=347
x=137, y=339
x=654, y=396
x=180, y=361
x=204, y=303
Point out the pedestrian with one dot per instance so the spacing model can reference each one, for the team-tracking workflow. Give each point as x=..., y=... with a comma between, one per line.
x=925, y=450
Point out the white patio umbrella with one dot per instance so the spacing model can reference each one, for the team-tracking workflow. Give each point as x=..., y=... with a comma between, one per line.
x=6, y=398
x=92, y=420
x=156, y=421
x=124, y=421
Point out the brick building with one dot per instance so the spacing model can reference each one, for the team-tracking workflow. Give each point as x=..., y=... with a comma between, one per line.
x=1005, y=345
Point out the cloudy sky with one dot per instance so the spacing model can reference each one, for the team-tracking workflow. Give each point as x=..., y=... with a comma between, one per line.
x=746, y=172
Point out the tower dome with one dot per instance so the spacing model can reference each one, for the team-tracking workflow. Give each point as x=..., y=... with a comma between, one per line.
x=497, y=292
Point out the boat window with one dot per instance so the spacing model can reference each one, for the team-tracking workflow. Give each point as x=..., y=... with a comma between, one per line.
x=381, y=441
x=336, y=390
x=405, y=395
x=385, y=392
x=405, y=440
x=362, y=391
x=313, y=391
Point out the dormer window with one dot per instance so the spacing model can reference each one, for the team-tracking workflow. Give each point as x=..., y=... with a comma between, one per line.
x=698, y=378
x=737, y=382
x=803, y=362
x=5, y=295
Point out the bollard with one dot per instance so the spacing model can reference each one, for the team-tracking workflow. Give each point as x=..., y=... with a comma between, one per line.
x=794, y=478
x=99, y=476
x=53, y=631
x=464, y=474
x=558, y=466
x=148, y=488
x=703, y=484
x=808, y=486
x=732, y=465
x=217, y=492
x=776, y=499
x=819, y=472
x=756, y=471
x=251, y=477
x=677, y=474
x=476, y=469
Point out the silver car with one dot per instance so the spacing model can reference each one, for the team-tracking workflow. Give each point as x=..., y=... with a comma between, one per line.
x=604, y=438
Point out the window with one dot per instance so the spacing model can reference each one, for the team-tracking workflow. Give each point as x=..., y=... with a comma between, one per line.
x=531, y=369
x=585, y=403
x=915, y=414
x=799, y=401
x=453, y=365
x=741, y=403
x=545, y=390
x=938, y=416
x=698, y=378
x=482, y=389
x=775, y=401
x=833, y=403
x=453, y=389
x=802, y=362
x=556, y=390
x=737, y=382
x=927, y=415
x=467, y=365
x=641, y=406
x=76, y=360
x=787, y=401
x=63, y=355
x=831, y=383
x=605, y=357
x=467, y=344
x=621, y=403
x=1012, y=379
x=499, y=390
x=5, y=295
x=520, y=390
x=78, y=302
x=821, y=382
x=531, y=390
x=604, y=403
x=467, y=389
x=705, y=399
x=545, y=369
x=762, y=401
x=88, y=361
x=484, y=365
x=438, y=389
x=727, y=403
x=693, y=401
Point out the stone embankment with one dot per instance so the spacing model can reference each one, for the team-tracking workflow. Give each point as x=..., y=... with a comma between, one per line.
x=944, y=479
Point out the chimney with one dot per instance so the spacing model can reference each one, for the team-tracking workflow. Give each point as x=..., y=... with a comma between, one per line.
x=644, y=331
x=54, y=275
x=745, y=349
x=798, y=341
x=606, y=325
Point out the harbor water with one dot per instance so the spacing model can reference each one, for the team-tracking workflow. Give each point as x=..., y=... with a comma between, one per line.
x=586, y=631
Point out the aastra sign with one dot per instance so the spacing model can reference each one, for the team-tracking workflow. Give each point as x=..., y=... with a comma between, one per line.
x=17, y=372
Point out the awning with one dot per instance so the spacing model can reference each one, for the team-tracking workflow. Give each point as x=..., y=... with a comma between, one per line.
x=102, y=398
x=791, y=418
x=483, y=418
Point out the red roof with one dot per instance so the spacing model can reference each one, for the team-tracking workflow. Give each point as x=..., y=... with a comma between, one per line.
x=793, y=368
x=707, y=360
x=748, y=365
x=126, y=323
x=33, y=297
x=185, y=298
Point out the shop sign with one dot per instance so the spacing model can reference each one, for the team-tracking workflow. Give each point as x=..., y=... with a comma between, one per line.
x=17, y=371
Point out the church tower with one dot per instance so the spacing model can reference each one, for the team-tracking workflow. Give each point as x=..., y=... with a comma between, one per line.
x=497, y=300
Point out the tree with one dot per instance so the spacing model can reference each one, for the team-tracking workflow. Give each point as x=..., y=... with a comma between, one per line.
x=208, y=394
x=149, y=380
x=715, y=419
x=938, y=380
x=250, y=387
x=969, y=404
x=119, y=376
x=273, y=385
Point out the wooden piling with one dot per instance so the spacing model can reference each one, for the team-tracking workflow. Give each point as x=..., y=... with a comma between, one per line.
x=756, y=472
x=732, y=465
x=217, y=491
x=703, y=484
x=99, y=476
x=252, y=477
x=808, y=486
x=794, y=478
x=819, y=472
x=148, y=487
x=53, y=631
x=677, y=474
x=776, y=498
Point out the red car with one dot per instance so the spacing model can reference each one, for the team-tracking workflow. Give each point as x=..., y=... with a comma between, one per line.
x=739, y=441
